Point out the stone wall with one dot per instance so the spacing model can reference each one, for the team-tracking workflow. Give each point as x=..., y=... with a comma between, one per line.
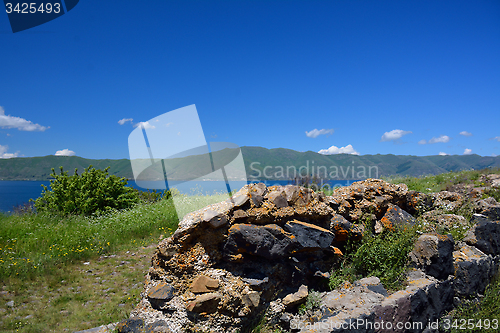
x=264, y=249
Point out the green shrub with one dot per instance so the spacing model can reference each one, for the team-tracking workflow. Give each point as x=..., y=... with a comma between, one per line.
x=338, y=277
x=92, y=191
x=385, y=256
x=313, y=302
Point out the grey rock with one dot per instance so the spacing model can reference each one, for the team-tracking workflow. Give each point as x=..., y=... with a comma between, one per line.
x=251, y=299
x=240, y=200
x=259, y=189
x=277, y=198
x=297, y=297
x=485, y=235
x=256, y=284
x=102, y=329
x=256, y=199
x=239, y=214
x=485, y=203
x=309, y=236
x=433, y=254
x=292, y=193
x=473, y=271
x=160, y=294
x=269, y=241
x=396, y=217
x=131, y=325
x=159, y=326
x=10, y=304
x=214, y=219
x=373, y=284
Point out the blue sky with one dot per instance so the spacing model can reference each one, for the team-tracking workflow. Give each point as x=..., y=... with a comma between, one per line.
x=367, y=77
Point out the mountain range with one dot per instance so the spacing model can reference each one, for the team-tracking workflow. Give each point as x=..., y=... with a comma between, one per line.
x=262, y=163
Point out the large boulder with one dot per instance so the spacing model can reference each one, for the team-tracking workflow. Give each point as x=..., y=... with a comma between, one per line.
x=269, y=241
x=309, y=236
x=395, y=218
x=433, y=253
x=485, y=235
x=489, y=207
x=473, y=271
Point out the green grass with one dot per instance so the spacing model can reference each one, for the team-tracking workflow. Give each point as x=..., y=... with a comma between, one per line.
x=42, y=263
x=436, y=183
x=35, y=244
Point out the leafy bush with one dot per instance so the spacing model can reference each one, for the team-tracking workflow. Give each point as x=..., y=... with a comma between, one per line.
x=92, y=191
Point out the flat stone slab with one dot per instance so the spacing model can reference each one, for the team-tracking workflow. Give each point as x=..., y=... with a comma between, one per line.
x=203, y=284
x=101, y=329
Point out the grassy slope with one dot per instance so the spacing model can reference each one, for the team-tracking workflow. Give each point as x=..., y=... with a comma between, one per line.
x=42, y=264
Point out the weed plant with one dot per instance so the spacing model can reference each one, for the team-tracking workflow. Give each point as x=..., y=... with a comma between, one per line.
x=384, y=256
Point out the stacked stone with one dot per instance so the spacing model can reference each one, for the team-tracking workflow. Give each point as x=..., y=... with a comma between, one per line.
x=266, y=247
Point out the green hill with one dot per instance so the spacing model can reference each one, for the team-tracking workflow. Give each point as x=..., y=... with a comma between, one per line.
x=262, y=163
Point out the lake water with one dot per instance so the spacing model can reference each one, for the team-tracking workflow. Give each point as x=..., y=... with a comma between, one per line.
x=15, y=193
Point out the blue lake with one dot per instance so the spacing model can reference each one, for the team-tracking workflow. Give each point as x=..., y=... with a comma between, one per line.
x=15, y=193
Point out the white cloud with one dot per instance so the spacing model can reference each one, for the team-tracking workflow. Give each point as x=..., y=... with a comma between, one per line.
x=315, y=132
x=465, y=133
x=442, y=154
x=467, y=151
x=19, y=123
x=124, y=120
x=65, y=152
x=442, y=138
x=336, y=150
x=394, y=135
x=497, y=138
x=4, y=154
x=145, y=125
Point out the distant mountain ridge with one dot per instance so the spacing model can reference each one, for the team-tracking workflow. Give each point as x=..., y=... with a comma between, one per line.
x=262, y=163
